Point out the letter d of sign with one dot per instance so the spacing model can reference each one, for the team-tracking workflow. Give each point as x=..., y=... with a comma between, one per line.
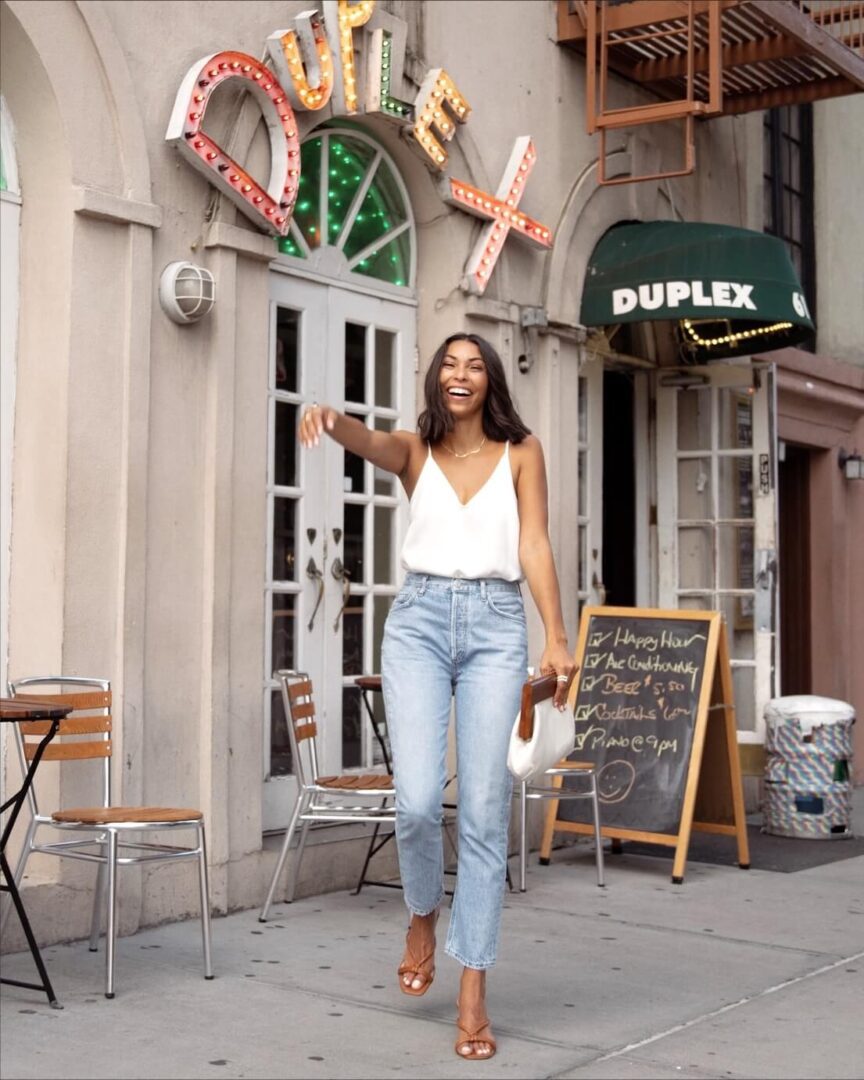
x=623, y=301
x=271, y=208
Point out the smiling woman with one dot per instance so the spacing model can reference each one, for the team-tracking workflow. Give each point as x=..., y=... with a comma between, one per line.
x=476, y=481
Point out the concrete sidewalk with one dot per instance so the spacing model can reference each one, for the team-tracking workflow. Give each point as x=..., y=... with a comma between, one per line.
x=732, y=974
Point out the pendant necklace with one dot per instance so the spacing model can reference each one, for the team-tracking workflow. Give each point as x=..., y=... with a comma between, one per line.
x=468, y=453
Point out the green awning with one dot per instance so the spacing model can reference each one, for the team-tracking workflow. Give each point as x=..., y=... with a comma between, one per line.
x=731, y=291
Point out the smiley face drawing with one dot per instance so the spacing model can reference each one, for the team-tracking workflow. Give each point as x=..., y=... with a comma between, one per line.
x=615, y=780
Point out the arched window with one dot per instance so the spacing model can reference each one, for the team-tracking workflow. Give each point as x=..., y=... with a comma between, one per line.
x=352, y=215
x=8, y=160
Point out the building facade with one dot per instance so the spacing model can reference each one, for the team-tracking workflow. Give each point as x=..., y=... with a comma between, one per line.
x=161, y=527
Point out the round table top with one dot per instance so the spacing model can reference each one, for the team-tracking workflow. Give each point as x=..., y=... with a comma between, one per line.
x=23, y=708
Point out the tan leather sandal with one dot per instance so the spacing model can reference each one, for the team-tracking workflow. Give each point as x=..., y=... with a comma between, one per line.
x=416, y=968
x=483, y=1034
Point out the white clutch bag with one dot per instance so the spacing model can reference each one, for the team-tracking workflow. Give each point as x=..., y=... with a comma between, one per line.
x=553, y=738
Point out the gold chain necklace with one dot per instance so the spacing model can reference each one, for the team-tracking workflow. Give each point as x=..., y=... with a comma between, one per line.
x=467, y=453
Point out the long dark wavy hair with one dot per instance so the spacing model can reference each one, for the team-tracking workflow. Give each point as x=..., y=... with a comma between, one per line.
x=501, y=422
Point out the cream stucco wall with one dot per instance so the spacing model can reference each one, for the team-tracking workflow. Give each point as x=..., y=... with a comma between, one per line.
x=838, y=138
x=140, y=451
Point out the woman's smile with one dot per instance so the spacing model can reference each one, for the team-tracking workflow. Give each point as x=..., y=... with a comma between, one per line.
x=463, y=375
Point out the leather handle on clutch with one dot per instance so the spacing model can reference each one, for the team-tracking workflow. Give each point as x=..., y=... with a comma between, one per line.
x=533, y=692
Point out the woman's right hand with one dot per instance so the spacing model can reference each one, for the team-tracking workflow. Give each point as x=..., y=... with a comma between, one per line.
x=315, y=421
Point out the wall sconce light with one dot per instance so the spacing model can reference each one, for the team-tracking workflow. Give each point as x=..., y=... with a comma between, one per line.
x=852, y=465
x=186, y=292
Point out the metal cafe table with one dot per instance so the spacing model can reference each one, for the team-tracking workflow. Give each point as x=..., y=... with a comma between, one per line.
x=15, y=710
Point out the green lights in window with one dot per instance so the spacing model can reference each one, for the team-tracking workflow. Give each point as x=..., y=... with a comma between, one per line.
x=347, y=164
x=287, y=245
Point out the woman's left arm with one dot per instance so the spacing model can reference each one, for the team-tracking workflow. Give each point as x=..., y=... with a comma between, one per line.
x=538, y=563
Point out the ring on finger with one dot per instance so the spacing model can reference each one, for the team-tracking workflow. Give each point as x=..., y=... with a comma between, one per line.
x=561, y=678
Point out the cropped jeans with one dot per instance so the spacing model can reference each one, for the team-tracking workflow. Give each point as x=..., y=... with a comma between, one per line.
x=447, y=637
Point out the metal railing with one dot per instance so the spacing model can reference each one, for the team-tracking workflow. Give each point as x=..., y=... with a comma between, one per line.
x=842, y=19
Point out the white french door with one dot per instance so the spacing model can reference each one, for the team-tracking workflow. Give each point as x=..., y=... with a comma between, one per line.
x=716, y=515
x=335, y=523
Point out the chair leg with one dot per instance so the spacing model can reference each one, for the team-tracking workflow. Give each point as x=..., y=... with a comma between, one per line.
x=286, y=844
x=523, y=835
x=111, y=929
x=598, y=838
x=294, y=869
x=205, y=901
x=96, y=918
x=369, y=853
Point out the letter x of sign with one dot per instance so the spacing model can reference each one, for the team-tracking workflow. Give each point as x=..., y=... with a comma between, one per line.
x=502, y=212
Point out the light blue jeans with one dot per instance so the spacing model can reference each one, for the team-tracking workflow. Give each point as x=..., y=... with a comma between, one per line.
x=448, y=637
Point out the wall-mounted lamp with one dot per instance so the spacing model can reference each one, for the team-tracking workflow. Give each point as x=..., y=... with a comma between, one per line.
x=186, y=292
x=852, y=465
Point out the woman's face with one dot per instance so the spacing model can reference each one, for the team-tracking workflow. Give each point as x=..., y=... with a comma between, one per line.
x=463, y=379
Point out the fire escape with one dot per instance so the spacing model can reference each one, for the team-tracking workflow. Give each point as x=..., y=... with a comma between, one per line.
x=704, y=58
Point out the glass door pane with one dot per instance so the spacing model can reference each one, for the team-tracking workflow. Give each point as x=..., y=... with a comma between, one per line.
x=294, y=514
x=377, y=359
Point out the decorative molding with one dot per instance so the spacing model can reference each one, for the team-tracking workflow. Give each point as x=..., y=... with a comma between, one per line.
x=483, y=307
x=102, y=205
x=121, y=94
x=254, y=245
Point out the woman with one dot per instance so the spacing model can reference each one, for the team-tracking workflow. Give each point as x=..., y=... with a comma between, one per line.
x=476, y=481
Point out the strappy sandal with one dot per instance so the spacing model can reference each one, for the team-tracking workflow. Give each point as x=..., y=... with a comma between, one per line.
x=467, y=1037
x=415, y=968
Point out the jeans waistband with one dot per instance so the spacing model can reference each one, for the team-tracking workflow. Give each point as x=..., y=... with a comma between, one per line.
x=457, y=584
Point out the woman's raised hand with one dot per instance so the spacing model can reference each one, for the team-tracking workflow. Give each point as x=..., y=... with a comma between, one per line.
x=315, y=421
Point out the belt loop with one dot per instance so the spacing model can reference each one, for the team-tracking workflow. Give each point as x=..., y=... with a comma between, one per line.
x=423, y=585
x=483, y=589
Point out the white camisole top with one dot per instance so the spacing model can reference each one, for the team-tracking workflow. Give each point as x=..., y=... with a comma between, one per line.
x=478, y=539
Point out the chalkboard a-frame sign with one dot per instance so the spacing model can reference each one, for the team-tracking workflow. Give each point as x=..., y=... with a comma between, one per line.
x=654, y=714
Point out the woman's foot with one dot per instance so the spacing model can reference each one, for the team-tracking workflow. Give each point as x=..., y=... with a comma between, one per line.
x=475, y=1041
x=417, y=969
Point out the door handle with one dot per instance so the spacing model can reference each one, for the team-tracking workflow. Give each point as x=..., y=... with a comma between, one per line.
x=766, y=565
x=314, y=574
x=599, y=588
x=341, y=574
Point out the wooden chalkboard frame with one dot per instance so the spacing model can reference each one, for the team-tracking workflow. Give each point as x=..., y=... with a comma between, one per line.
x=713, y=787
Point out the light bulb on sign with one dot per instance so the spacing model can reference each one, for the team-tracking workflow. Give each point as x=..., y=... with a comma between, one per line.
x=185, y=132
x=501, y=213
x=437, y=89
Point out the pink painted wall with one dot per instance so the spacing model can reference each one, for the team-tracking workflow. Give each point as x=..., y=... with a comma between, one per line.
x=821, y=405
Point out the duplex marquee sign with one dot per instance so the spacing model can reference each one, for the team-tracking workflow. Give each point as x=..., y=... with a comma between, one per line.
x=312, y=65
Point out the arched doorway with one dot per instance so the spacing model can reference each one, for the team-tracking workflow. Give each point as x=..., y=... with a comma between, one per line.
x=343, y=331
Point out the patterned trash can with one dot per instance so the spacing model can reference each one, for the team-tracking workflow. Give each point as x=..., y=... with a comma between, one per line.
x=808, y=768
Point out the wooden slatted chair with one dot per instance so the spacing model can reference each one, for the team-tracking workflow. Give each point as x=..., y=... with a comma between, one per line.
x=85, y=735
x=321, y=798
x=533, y=692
